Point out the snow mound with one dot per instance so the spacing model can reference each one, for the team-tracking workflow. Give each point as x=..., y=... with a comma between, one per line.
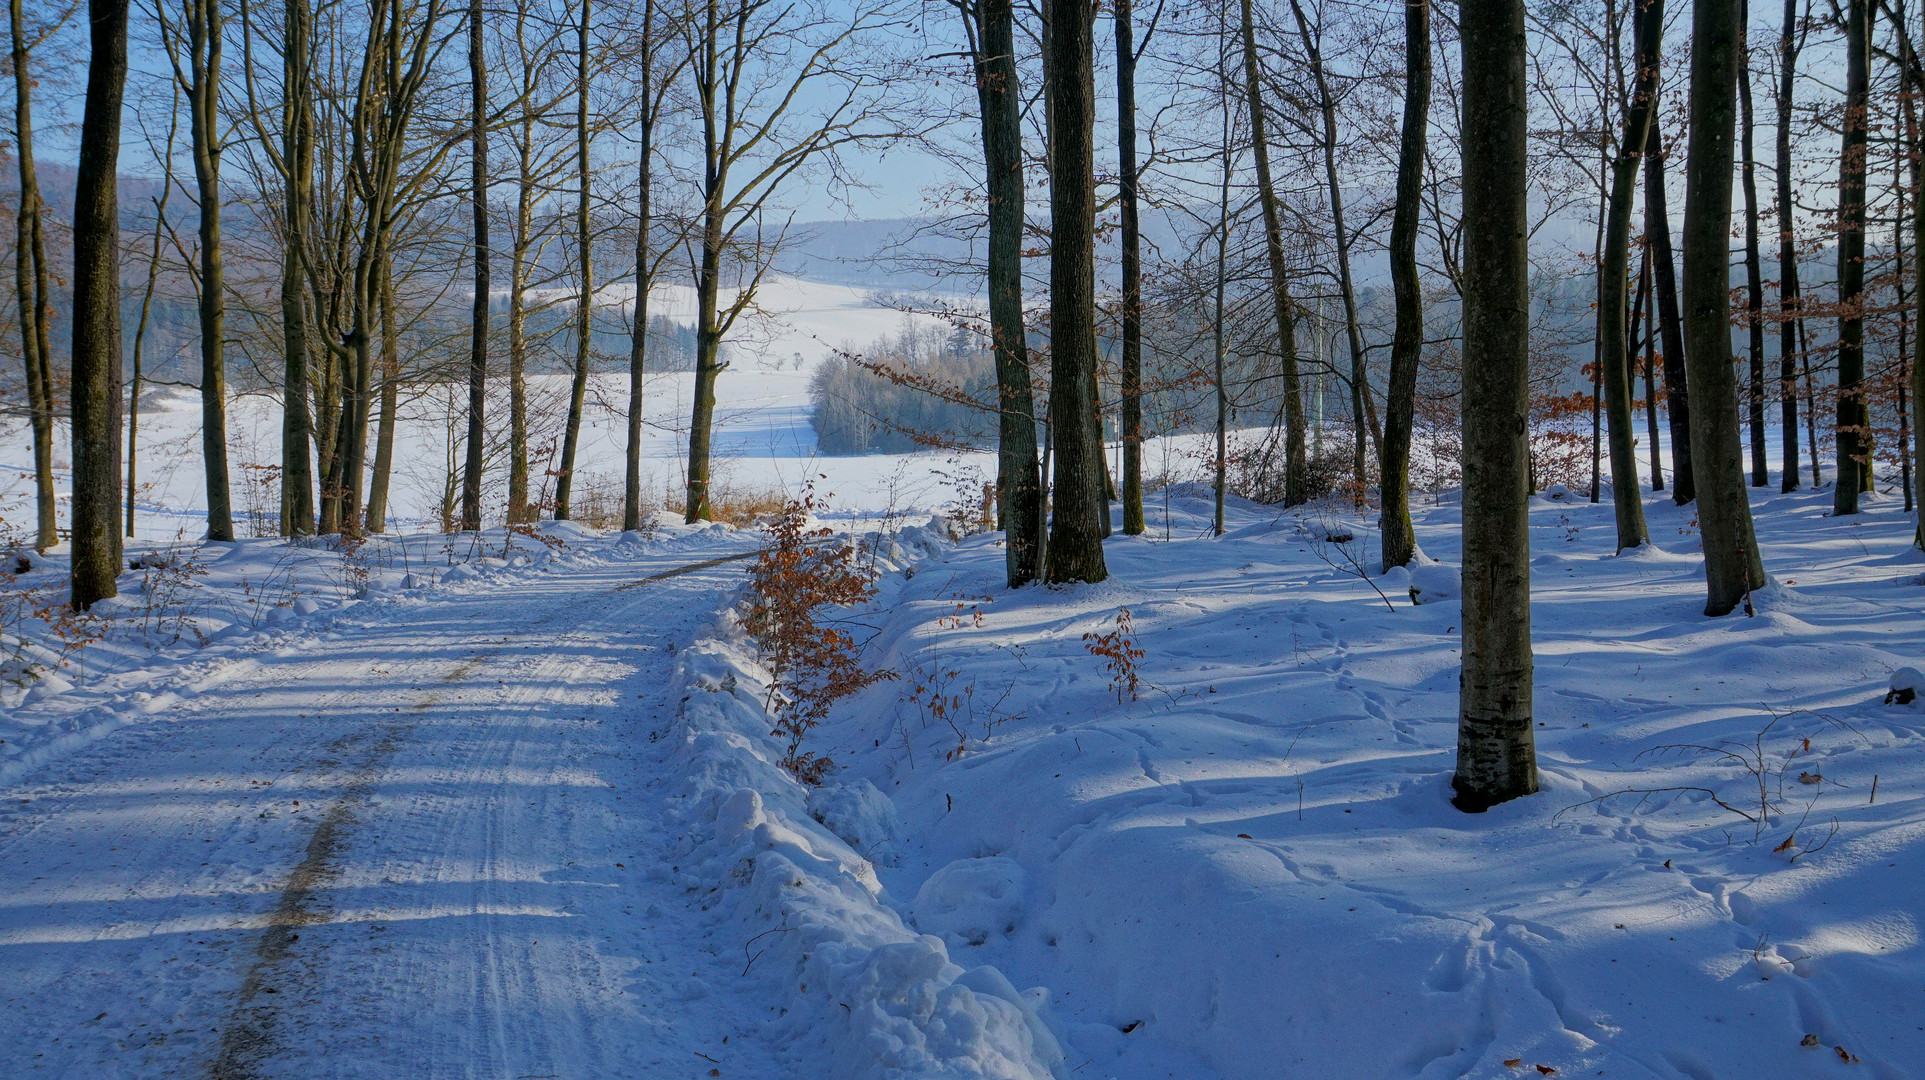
x=1434, y=581
x=866, y=994
x=1905, y=685
x=971, y=900
x=861, y=815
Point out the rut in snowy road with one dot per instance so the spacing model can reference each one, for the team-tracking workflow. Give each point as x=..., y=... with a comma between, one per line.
x=421, y=842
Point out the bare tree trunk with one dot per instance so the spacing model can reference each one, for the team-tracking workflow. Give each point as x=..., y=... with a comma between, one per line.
x=1754, y=276
x=1648, y=303
x=1731, y=564
x=1614, y=352
x=585, y=307
x=146, y=311
x=205, y=35
x=1132, y=240
x=1790, y=40
x=644, y=278
x=478, y=312
x=1076, y=534
x=1853, y=438
x=297, y=154
x=383, y=474
x=31, y=293
x=519, y=510
x=1677, y=397
x=1362, y=415
x=1496, y=750
x=1220, y=473
x=1000, y=100
x=1398, y=537
x=1295, y=464
x=96, y=299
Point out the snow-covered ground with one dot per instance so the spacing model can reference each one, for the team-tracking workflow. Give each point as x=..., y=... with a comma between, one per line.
x=1252, y=870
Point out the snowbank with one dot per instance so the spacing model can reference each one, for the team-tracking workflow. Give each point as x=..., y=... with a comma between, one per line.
x=867, y=994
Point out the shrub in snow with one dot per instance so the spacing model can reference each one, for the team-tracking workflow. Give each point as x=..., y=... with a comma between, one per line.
x=971, y=900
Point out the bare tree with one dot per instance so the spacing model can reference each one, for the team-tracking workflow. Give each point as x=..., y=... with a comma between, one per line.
x=1731, y=564
x=1398, y=537
x=30, y=279
x=1496, y=752
x=96, y=288
x=1854, y=437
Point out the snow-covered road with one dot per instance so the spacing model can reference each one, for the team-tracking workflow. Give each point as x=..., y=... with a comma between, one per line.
x=419, y=844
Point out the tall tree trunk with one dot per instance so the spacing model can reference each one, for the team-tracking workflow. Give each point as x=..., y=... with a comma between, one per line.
x=1650, y=365
x=1496, y=749
x=1362, y=414
x=1295, y=464
x=30, y=279
x=146, y=313
x=1132, y=240
x=1000, y=99
x=478, y=312
x=205, y=35
x=1731, y=564
x=297, y=155
x=96, y=299
x=1220, y=473
x=1677, y=396
x=1754, y=273
x=1614, y=352
x=1853, y=439
x=519, y=510
x=1076, y=534
x=383, y=474
x=1398, y=537
x=584, y=307
x=644, y=278
x=1790, y=40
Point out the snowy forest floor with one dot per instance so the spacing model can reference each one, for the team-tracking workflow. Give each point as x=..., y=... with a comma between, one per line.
x=433, y=813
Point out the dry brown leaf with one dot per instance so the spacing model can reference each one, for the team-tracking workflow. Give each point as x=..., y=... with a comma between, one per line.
x=1547, y=1070
x=1789, y=841
x=1512, y=1063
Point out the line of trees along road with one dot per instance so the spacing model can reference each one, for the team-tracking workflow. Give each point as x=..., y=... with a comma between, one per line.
x=559, y=160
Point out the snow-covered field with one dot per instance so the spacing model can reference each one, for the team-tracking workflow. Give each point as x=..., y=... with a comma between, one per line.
x=1252, y=870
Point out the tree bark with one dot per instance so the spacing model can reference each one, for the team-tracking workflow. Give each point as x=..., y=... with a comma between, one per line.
x=1295, y=462
x=644, y=278
x=1677, y=396
x=205, y=36
x=584, y=307
x=1398, y=537
x=1731, y=563
x=1132, y=254
x=1853, y=439
x=1496, y=752
x=96, y=299
x=478, y=312
x=383, y=475
x=1648, y=304
x=30, y=283
x=1076, y=534
x=297, y=154
x=1754, y=279
x=1789, y=44
x=1614, y=351
x=520, y=512
x=1362, y=414
x=1000, y=100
